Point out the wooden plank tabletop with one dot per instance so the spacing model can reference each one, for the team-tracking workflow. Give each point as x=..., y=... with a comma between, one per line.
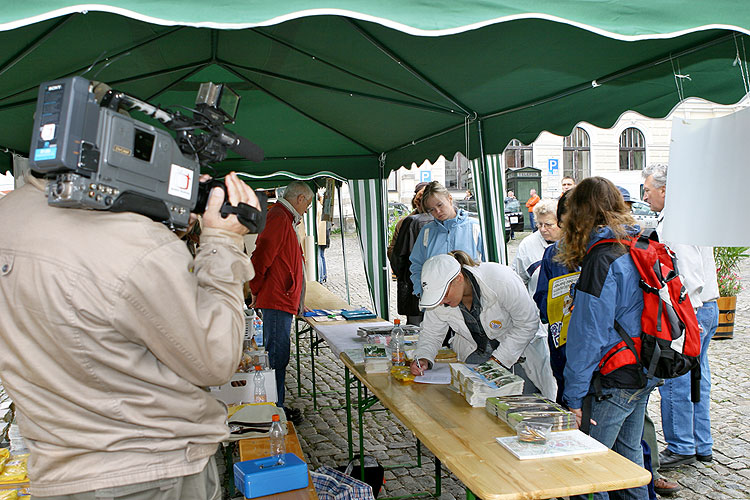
x=261, y=447
x=463, y=438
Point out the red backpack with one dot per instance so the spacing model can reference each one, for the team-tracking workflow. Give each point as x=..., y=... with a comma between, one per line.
x=669, y=345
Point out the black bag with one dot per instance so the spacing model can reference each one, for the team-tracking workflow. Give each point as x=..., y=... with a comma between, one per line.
x=374, y=472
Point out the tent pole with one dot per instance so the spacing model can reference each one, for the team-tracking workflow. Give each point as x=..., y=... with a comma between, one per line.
x=343, y=247
x=384, y=274
x=488, y=212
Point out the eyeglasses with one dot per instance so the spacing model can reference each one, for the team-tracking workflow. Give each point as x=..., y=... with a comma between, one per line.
x=545, y=225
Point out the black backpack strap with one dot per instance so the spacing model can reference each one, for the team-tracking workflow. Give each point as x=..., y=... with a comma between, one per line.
x=695, y=383
x=628, y=341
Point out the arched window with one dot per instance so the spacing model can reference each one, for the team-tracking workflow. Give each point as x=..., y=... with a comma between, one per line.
x=632, y=149
x=518, y=155
x=577, y=155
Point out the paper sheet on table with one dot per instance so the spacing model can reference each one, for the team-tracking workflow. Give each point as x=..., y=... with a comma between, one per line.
x=440, y=374
x=708, y=174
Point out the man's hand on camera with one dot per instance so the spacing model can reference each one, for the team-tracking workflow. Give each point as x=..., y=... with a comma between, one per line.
x=238, y=192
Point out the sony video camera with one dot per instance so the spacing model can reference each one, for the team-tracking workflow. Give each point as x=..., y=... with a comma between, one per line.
x=99, y=158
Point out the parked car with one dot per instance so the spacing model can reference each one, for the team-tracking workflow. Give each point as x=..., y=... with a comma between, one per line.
x=396, y=210
x=513, y=215
x=643, y=214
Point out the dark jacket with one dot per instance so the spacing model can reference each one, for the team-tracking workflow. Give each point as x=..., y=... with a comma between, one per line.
x=278, y=263
x=408, y=303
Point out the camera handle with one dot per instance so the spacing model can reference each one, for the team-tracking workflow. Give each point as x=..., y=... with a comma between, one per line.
x=250, y=217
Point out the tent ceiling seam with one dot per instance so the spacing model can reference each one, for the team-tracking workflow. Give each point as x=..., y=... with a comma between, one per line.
x=78, y=70
x=163, y=72
x=19, y=56
x=178, y=80
x=350, y=93
x=298, y=110
x=611, y=77
x=408, y=67
x=346, y=71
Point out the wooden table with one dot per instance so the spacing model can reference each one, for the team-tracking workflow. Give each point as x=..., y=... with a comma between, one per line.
x=260, y=447
x=463, y=438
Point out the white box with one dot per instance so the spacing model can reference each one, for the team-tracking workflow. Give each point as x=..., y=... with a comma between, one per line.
x=241, y=388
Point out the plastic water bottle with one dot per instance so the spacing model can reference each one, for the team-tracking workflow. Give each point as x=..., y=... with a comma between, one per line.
x=398, y=355
x=259, y=386
x=258, y=330
x=278, y=442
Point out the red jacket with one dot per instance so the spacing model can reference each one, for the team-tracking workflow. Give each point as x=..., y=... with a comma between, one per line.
x=277, y=261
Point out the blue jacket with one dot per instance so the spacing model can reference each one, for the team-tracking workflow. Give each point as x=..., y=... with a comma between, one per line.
x=607, y=290
x=435, y=238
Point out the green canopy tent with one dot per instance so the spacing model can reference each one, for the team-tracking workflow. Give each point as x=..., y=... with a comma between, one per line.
x=358, y=89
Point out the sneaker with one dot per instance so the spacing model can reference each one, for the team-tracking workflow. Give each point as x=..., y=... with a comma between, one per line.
x=293, y=415
x=705, y=458
x=670, y=460
x=666, y=488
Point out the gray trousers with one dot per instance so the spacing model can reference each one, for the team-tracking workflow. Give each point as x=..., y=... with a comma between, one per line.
x=202, y=486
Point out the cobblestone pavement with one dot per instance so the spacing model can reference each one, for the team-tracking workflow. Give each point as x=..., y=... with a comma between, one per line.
x=323, y=433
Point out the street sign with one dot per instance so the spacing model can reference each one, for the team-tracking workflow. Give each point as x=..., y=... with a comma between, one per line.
x=425, y=176
x=553, y=164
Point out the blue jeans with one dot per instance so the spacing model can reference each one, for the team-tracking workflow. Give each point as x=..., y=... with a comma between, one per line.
x=532, y=222
x=619, y=426
x=322, y=268
x=277, y=326
x=687, y=425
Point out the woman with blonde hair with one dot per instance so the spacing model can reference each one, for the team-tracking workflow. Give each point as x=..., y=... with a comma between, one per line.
x=451, y=230
x=491, y=313
x=607, y=298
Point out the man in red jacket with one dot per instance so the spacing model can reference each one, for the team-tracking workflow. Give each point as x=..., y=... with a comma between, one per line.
x=277, y=288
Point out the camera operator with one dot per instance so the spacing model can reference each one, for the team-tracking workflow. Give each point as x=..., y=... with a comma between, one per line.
x=109, y=330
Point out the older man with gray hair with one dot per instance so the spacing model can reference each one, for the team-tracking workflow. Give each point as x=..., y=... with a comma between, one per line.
x=687, y=425
x=278, y=287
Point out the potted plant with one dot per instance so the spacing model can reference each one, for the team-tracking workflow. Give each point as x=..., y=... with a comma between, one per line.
x=728, y=277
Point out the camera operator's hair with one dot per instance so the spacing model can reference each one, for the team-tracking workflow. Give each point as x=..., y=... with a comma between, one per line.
x=659, y=171
x=296, y=188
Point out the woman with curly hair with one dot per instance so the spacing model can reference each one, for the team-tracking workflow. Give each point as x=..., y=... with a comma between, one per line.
x=607, y=297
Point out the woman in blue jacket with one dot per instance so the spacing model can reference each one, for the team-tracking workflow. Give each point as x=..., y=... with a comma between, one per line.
x=451, y=230
x=606, y=294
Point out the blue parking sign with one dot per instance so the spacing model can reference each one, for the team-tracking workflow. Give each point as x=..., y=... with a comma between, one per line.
x=553, y=164
x=425, y=176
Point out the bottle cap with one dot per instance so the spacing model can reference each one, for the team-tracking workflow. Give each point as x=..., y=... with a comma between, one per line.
x=275, y=418
x=258, y=368
x=396, y=321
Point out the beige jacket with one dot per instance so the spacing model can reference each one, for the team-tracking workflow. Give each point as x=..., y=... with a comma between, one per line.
x=108, y=332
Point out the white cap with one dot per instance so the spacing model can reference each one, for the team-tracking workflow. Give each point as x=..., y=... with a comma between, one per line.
x=437, y=274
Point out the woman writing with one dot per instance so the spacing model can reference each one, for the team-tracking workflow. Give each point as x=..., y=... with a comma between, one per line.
x=607, y=296
x=491, y=313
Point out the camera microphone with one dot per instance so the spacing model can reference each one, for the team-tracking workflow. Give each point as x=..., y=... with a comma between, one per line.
x=243, y=147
